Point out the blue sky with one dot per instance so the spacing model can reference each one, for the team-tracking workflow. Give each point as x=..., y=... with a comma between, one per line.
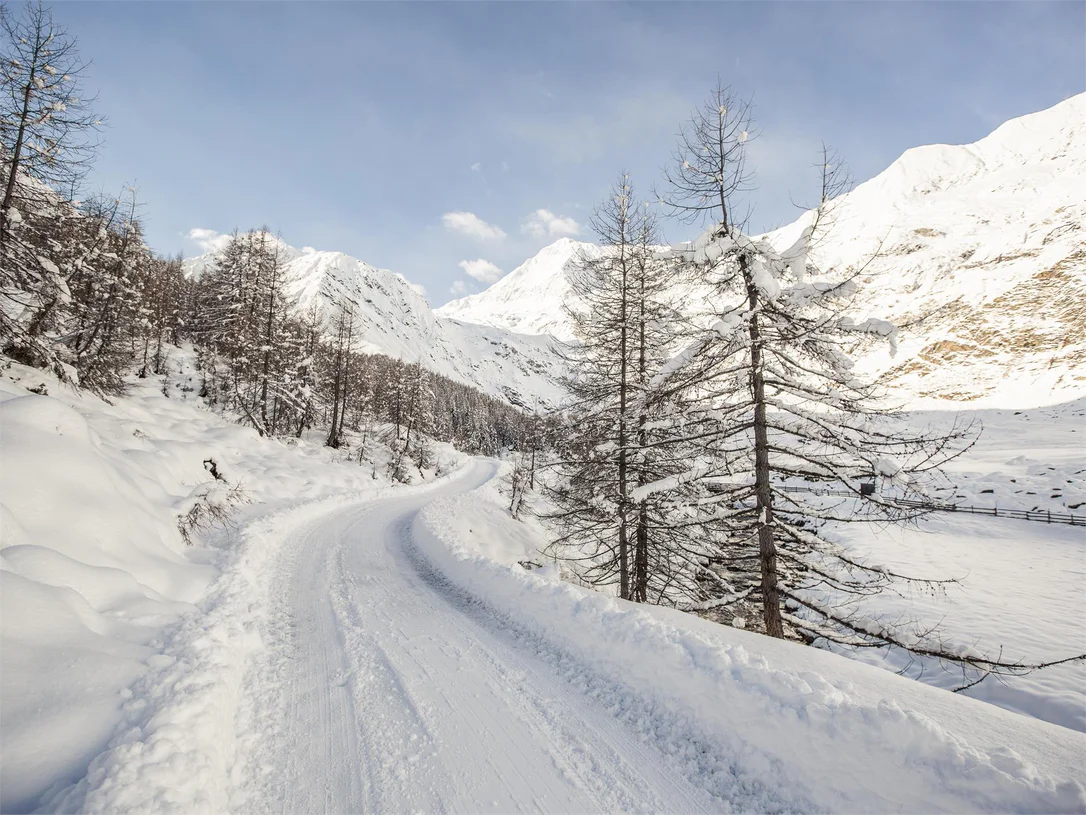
x=420, y=136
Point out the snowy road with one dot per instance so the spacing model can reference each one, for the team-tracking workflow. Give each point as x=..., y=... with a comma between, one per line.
x=359, y=655
x=383, y=690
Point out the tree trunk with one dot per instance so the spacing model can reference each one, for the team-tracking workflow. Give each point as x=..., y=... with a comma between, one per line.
x=767, y=549
x=641, y=554
x=623, y=500
x=346, y=375
x=266, y=366
x=333, y=432
x=641, y=549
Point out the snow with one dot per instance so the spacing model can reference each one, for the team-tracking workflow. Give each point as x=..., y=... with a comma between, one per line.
x=48, y=265
x=671, y=482
x=873, y=325
x=686, y=355
x=1022, y=582
x=986, y=237
x=789, y=727
x=1020, y=598
x=764, y=279
x=93, y=568
x=350, y=646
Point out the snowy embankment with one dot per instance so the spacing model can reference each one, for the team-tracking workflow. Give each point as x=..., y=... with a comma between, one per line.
x=187, y=730
x=105, y=611
x=792, y=726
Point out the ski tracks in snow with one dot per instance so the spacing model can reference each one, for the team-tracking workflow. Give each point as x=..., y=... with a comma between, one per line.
x=379, y=689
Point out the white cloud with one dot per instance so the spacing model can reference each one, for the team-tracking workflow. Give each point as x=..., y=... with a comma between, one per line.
x=476, y=167
x=308, y=250
x=458, y=288
x=208, y=239
x=470, y=224
x=545, y=224
x=482, y=270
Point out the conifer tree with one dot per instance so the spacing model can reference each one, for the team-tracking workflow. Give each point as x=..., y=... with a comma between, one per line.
x=779, y=395
x=620, y=519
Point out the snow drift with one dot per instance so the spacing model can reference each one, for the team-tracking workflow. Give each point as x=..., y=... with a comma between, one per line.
x=796, y=728
x=95, y=578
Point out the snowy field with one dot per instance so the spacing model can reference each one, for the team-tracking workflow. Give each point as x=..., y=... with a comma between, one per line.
x=1022, y=590
x=348, y=645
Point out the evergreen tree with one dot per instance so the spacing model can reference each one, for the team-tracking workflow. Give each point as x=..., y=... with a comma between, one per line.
x=622, y=512
x=779, y=395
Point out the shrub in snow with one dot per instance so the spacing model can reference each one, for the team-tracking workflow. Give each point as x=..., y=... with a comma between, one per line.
x=209, y=504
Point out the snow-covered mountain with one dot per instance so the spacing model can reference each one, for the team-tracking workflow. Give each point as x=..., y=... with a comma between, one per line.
x=393, y=319
x=988, y=235
x=530, y=298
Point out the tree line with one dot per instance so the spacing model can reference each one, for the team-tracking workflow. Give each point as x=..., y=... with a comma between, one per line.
x=82, y=295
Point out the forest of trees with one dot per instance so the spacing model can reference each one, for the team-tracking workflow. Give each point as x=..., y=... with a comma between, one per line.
x=83, y=296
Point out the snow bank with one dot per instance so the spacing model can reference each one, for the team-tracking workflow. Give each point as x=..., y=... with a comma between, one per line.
x=95, y=578
x=176, y=748
x=91, y=567
x=816, y=731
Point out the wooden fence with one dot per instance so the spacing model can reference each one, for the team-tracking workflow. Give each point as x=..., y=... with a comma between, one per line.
x=1039, y=515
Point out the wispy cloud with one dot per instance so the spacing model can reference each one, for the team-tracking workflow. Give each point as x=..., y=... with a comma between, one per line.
x=477, y=166
x=470, y=224
x=208, y=239
x=458, y=288
x=545, y=224
x=482, y=270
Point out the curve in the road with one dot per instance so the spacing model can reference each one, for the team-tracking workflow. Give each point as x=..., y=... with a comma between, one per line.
x=381, y=690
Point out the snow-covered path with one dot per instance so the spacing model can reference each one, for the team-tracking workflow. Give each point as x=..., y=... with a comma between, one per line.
x=358, y=654
x=382, y=689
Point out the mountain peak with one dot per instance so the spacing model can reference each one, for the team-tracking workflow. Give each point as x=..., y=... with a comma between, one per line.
x=530, y=299
x=391, y=318
x=987, y=237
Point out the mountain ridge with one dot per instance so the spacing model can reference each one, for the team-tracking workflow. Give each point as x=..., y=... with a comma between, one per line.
x=392, y=318
x=987, y=237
